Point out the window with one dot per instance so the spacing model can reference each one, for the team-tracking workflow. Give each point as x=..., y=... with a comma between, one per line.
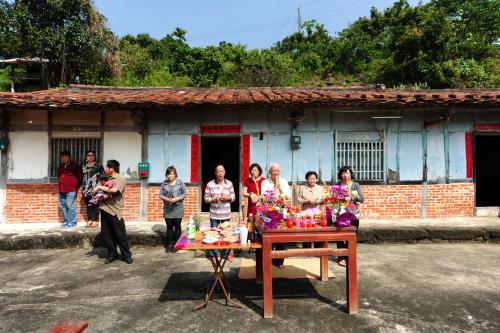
x=364, y=155
x=77, y=147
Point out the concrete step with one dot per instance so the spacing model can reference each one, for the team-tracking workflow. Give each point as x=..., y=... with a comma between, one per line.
x=487, y=211
x=51, y=236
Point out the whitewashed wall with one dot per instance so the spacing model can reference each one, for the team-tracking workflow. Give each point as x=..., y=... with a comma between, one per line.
x=125, y=147
x=28, y=156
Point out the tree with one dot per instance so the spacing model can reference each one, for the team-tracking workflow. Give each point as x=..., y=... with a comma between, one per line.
x=71, y=34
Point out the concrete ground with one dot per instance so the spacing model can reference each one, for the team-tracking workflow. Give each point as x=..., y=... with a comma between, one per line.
x=450, y=287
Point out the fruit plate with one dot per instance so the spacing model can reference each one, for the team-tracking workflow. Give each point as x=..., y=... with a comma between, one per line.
x=231, y=239
x=209, y=240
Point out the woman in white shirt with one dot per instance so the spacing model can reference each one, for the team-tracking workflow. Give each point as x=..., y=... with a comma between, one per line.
x=280, y=185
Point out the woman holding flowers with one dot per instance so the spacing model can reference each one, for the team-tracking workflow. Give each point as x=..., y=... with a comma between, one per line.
x=252, y=188
x=346, y=176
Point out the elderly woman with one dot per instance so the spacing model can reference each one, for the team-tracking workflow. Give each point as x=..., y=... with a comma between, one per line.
x=310, y=196
x=346, y=176
x=276, y=183
x=280, y=185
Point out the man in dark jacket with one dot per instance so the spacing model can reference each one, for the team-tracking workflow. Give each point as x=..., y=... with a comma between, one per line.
x=70, y=178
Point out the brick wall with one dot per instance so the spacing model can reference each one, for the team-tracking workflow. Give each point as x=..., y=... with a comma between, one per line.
x=155, y=205
x=450, y=200
x=29, y=203
x=398, y=201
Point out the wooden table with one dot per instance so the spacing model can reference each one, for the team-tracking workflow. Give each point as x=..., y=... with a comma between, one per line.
x=218, y=265
x=317, y=234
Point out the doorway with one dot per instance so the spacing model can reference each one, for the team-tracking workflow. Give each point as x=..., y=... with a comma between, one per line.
x=487, y=175
x=225, y=151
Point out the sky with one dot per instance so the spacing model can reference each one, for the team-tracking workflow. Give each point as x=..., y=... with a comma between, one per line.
x=255, y=23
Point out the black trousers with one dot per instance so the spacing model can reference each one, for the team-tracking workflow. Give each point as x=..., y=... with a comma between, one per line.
x=343, y=245
x=279, y=247
x=114, y=233
x=92, y=210
x=173, y=230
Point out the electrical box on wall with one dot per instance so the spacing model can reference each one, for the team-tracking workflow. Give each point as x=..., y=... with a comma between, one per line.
x=143, y=168
x=295, y=142
x=3, y=144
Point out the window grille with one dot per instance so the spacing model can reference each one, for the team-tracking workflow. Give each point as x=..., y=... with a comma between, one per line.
x=77, y=147
x=365, y=157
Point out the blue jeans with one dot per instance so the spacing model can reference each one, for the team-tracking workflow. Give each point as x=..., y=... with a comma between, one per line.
x=67, y=203
x=213, y=253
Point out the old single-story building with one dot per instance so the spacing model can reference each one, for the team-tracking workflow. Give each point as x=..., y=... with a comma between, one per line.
x=417, y=153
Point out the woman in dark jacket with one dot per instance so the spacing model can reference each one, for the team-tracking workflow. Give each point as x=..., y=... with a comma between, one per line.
x=346, y=176
x=91, y=172
x=172, y=193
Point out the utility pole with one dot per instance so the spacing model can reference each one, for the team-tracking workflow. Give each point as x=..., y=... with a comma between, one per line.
x=299, y=20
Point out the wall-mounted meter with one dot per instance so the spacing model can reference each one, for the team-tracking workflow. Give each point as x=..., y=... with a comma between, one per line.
x=295, y=142
x=143, y=168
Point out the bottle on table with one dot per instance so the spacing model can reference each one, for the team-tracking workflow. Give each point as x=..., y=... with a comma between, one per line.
x=250, y=227
x=191, y=229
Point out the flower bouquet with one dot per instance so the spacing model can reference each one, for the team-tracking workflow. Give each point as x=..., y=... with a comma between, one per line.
x=271, y=209
x=341, y=207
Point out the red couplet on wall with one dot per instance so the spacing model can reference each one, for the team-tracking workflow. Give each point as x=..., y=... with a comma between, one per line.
x=220, y=129
x=245, y=156
x=468, y=154
x=195, y=153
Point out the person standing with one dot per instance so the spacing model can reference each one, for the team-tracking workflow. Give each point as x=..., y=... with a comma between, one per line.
x=252, y=188
x=172, y=193
x=346, y=176
x=91, y=172
x=310, y=196
x=70, y=178
x=276, y=183
x=281, y=187
x=112, y=224
x=219, y=194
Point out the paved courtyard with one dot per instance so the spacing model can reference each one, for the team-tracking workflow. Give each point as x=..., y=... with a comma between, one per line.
x=402, y=288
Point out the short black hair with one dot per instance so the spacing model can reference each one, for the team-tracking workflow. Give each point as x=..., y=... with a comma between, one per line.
x=65, y=153
x=218, y=165
x=310, y=173
x=103, y=177
x=113, y=164
x=171, y=169
x=345, y=168
x=255, y=165
x=90, y=151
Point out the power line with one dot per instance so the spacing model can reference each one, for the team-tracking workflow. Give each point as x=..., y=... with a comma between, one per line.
x=277, y=24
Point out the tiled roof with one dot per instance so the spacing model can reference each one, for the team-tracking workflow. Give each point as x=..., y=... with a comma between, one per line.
x=93, y=97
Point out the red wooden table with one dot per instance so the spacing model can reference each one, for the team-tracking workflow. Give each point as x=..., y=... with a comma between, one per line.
x=317, y=234
x=217, y=264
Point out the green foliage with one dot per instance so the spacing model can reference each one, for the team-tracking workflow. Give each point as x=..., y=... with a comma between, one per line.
x=4, y=79
x=71, y=34
x=438, y=44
